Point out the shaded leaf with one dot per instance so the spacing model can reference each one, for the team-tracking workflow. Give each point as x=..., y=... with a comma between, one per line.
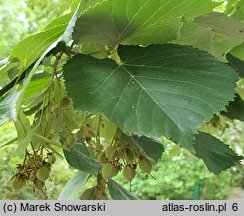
x=237, y=64
x=152, y=148
x=118, y=192
x=235, y=109
x=196, y=36
x=228, y=32
x=216, y=155
x=161, y=90
x=95, y=50
x=72, y=187
x=80, y=159
x=136, y=22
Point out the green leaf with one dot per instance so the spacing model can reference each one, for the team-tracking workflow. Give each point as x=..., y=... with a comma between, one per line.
x=9, y=142
x=235, y=109
x=136, y=21
x=74, y=4
x=118, y=192
x=80, y=159
x=240, y=91
x=24, y=132
x=238, y=51
x=62, y=21
x=228, y=32
x=95, y=50
x=8, y=105
x=87, y=4
x=161, y=90
x=37, y=84
x=72, y=187
x=237, y=64
x=31, y=48
x=152, y=148
x=108, y=129
x=196, y=36
x=7, y=67
x=216, y=155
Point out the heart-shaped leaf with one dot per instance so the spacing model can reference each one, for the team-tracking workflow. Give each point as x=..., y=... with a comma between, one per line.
x=161, y=90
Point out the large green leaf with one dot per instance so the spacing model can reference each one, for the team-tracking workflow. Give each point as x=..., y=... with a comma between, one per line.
x=118, y=192
x=152, y=148
x=72, y=188
x=167, y=90
x=137, y=21
x=80, y=159
x=216, y=155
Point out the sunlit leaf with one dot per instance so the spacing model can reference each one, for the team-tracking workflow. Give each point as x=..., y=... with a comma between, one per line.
x=137, y=22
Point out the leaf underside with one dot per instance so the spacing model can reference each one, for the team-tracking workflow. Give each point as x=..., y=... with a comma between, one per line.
x=161, y=90
x=73, y=186
x=118, y=192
